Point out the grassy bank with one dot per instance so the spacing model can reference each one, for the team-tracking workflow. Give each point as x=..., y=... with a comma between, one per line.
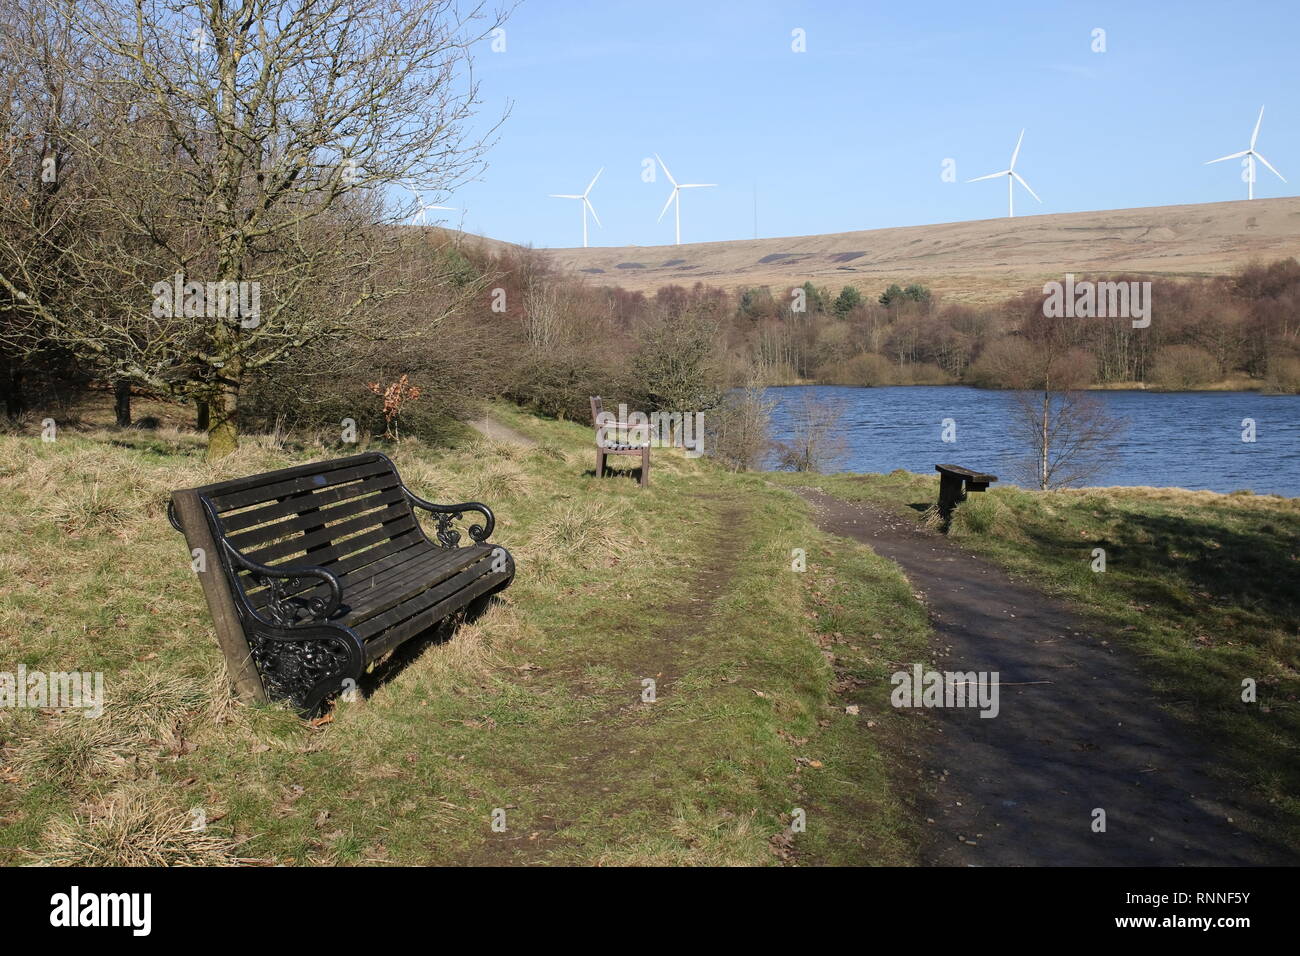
x=536, y=709
x=1203, y=587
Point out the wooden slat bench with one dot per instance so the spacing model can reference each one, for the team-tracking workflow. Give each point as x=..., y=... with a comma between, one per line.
x=314, y=573
x=614, y=437
x=954, y=483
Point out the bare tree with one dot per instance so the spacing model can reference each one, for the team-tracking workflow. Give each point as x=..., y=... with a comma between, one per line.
x=42, y=190
x=738, y=431
x=1069, y=433
x=814, y=443
x=261, y=136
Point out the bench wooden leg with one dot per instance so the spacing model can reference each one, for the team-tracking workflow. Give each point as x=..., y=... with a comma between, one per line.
x=600, y=462
x=645, y=467
x=950, y=495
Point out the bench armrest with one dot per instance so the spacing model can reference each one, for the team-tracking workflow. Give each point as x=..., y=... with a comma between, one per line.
x=444, y=515
x=286, y=604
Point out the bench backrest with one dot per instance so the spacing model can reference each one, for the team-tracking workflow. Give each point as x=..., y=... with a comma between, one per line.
x=339, y=514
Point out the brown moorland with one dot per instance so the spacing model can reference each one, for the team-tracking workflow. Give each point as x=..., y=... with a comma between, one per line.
x=983, y=261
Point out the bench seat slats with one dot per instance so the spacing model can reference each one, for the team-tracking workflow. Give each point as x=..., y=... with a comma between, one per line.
x=959, y=472
x=424, y=600
x=423, y=620
x=388, y=592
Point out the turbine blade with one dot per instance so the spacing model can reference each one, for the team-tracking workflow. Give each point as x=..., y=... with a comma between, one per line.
x=593, y=211
x=667, y=204
x=1270, y=166
x=593, y=180
x=564, y=196
x=1222, y=158
x=1020, y=180
x=1017, y=150
x=989, y=176
x=695, y=185
x=666, y=172
x=1255, y=135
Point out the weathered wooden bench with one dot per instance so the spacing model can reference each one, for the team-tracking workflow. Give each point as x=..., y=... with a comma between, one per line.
x=618, y=438
x=314, y=573
x=954, y=483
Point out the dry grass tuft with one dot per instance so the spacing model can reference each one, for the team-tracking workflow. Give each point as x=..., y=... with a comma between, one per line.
x=133, y=826
x=155, y=705
x=584, y=530
x=74, y=749
x=222, y=704
x=87, y=508
x=499, y=480
x=141, y=709
x=505, y=450
x=547, y=451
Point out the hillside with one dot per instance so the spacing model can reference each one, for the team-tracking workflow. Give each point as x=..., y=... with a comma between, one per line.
x=981, y=261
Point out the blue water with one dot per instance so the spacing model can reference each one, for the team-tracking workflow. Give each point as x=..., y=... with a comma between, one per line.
x=1179, y=439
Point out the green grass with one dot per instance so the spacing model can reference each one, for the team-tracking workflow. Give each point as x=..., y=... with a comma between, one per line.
x=1201, y=586
x=535, y=709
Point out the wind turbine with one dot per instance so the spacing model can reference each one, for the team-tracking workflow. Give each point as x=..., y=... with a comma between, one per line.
x=1011, y=174
x=586, y=204
x=1251, y=156
x=676, y=195
x=421, y=218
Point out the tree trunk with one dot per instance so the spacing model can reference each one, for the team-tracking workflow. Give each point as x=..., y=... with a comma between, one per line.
x=201, y=417
x=11, y=384
x=223, y=412
x=122, y=403
x=1044, y=441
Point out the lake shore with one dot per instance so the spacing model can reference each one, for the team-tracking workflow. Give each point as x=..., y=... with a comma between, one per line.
x=1257, y=386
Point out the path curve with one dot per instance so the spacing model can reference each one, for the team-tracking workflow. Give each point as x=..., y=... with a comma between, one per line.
x=492, y=429
x=1021, y=788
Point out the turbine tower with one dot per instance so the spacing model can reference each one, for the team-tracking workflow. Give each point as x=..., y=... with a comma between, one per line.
x=676, y=196
x=1251, y=156
x=1011, y=174
x=586, y=204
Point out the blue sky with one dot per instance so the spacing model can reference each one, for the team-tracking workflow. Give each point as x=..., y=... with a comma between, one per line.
x=852, y=134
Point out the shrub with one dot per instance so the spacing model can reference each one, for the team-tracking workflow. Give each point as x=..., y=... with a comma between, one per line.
x=736, y=433
x=1284, y=374
x=1184, y=366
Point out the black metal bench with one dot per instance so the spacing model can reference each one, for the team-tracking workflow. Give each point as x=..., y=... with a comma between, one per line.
x=314, y=573
x=954, y=483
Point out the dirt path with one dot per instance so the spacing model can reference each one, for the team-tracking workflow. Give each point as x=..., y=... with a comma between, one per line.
x=490, y=428
x=595, y=755
x=1021, y=788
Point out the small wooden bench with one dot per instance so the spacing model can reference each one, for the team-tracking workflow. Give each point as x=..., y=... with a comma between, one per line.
x=954, y=483
x=619, y=438
x=314, y=573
